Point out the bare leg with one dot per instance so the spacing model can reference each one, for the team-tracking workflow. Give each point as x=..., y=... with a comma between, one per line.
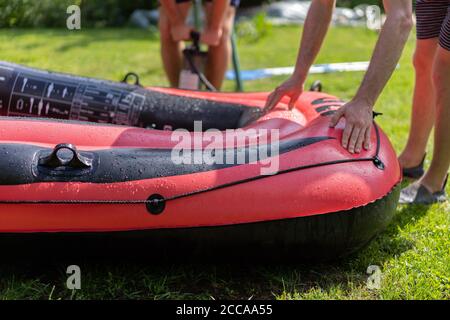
x=219, y=56
x=171, y=51
x=423, y=112
x=434, y=177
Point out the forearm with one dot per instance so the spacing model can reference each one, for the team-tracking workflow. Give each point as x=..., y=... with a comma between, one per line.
x=170, y=7
x=219, y=10
x=388, y=50
x=314, y=32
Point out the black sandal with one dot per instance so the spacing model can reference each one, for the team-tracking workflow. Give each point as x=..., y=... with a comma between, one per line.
x=417, y=193
x=415, y=172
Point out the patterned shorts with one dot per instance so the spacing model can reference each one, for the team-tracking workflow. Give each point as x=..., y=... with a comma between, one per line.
x=433, y=21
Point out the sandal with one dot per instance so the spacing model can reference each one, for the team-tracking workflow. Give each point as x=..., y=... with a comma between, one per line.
x=417, y=193
x=415, y=172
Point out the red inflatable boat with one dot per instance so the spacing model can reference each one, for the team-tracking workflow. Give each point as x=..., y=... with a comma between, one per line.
x=279, y=180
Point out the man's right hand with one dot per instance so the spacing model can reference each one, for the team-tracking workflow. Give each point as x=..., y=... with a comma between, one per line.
x=211, y=37
x=181, y=32
x=293, y=88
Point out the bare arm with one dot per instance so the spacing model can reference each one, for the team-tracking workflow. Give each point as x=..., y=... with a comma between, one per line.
x=388, y=49
x=316, y=26
x=358, y=112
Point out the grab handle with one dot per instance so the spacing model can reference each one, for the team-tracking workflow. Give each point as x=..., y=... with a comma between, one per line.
x=132, y=75
x=57, y=159
x=316, y=86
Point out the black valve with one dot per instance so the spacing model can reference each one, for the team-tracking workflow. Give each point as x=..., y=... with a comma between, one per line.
x=378, y=163
x=156, y=204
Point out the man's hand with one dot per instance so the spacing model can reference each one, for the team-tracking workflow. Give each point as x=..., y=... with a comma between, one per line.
x=358, y=124
x=180, y=32
x=293, y=88
x=211, y=37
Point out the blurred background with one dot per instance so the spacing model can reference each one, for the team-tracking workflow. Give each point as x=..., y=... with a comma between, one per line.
x=101, y=13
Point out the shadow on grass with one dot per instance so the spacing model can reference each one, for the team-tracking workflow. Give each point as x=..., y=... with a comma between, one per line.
x=122, y=275
x=290, y=281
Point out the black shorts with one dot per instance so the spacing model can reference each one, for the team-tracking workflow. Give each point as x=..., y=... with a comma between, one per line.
x=233, y=3
x=433, y=21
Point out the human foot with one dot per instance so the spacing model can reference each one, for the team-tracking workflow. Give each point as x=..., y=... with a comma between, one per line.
x=418, y=193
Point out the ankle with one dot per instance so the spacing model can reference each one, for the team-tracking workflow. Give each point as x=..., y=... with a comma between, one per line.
x=433, y=183
x=410, y=160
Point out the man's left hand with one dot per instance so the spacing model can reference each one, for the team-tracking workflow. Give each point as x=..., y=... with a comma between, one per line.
x=358, y=124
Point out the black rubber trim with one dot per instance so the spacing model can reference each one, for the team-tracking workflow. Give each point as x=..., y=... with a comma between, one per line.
x=69, y=97
x=125, y=164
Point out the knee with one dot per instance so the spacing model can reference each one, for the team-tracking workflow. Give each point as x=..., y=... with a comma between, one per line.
x=440, y=78
x=226, y=33
x=224, y=40
x=227, y=27
x=441, y=69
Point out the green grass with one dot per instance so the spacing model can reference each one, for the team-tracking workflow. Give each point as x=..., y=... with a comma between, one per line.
x=413, y=253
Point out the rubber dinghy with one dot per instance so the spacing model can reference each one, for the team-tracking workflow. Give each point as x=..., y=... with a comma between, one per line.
x=280, y=181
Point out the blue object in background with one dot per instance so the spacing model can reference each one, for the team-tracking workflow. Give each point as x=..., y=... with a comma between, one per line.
x=248, y=75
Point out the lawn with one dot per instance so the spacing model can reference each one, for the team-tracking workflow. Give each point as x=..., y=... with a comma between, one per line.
x=413, y=253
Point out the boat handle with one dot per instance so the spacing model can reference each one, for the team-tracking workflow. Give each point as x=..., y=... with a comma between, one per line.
x=132, y=75
x=54, y=160
x=316, y=86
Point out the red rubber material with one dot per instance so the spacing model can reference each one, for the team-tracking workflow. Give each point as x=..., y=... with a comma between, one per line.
x=315, y=190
